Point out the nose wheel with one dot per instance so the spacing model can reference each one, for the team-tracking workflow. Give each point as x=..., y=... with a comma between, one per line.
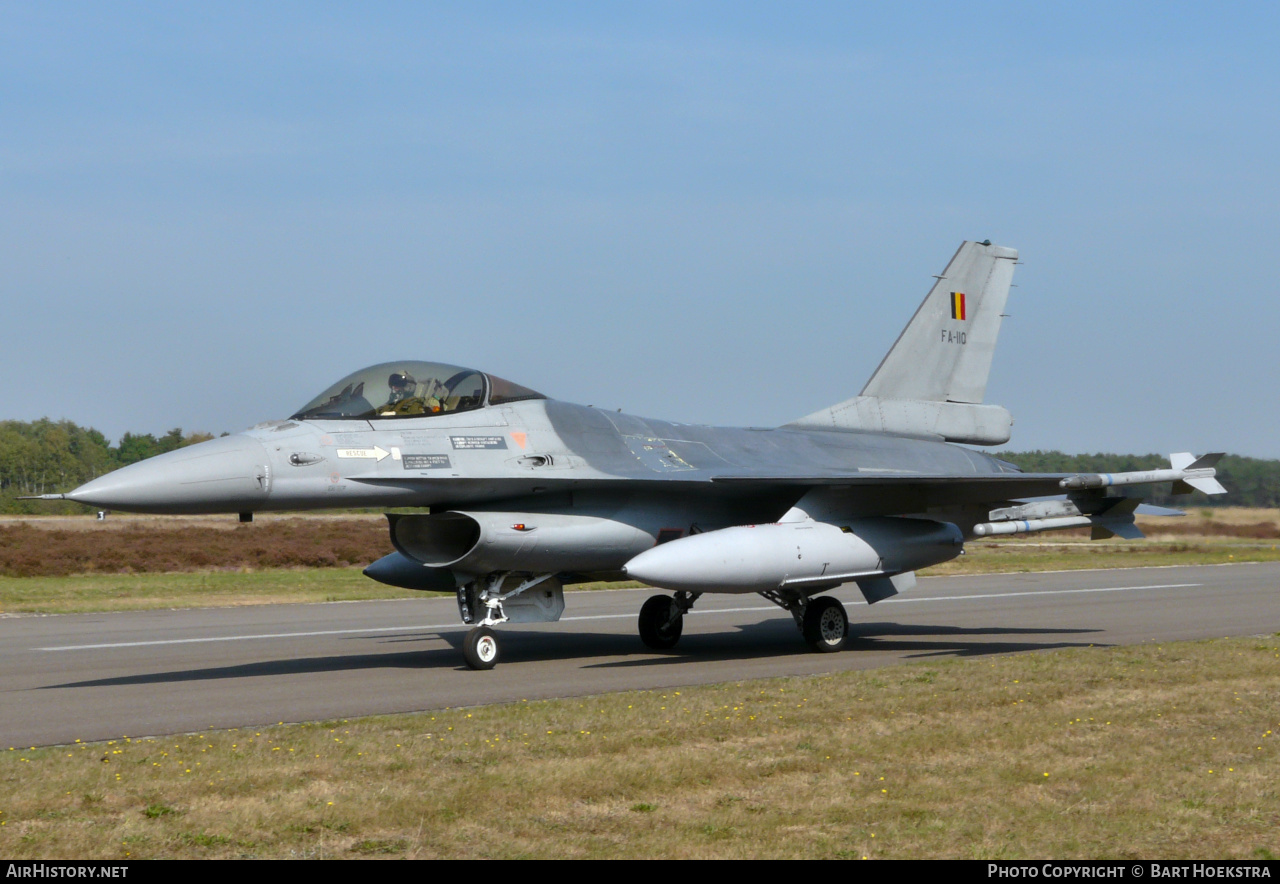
x=480, y=648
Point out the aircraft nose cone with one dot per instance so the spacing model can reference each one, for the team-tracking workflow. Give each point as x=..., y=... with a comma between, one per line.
x=229, y=474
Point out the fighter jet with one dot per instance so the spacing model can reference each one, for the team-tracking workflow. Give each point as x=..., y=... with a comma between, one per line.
x=514, y=495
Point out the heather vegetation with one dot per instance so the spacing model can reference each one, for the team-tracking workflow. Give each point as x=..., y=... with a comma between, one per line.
x=127, y=546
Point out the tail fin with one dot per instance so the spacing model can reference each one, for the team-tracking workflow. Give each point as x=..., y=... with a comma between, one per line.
x=944, y=353
x=932, y=381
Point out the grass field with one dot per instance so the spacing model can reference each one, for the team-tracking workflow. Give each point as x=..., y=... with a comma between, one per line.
x=1157, y=751
x=80, y=593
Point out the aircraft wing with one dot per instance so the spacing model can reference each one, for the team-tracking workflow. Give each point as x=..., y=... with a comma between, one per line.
x=1186, y=472
x=929, y=490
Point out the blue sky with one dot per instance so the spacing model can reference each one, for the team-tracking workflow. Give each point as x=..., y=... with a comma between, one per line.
x=708, y=212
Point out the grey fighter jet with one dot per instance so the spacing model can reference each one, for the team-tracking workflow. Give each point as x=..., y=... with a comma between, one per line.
x=517, y=495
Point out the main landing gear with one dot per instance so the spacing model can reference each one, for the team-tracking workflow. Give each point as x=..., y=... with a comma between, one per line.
x=662, y=619
x=825, y=624
x=822, y=621
x=504, y=597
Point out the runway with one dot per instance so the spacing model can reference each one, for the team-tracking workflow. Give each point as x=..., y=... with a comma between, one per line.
x=101, y=676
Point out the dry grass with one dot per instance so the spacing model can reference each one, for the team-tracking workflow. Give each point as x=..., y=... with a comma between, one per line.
x=82, y=593
x=1012, y=555
x=1152, y=751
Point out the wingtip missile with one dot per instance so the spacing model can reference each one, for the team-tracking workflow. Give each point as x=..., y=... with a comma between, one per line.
x=1186, y=472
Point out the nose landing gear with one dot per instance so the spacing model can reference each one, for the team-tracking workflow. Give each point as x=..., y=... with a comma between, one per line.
x=504, y=597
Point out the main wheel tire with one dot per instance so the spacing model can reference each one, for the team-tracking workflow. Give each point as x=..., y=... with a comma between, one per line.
x=480, y=648
x=660, y=623
x=826, y=626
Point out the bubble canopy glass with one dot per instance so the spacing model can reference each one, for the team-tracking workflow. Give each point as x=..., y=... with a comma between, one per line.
x=411, y=389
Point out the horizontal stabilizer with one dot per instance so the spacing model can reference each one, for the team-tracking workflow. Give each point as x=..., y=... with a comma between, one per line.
x=1103, y=529
x=1150, y=509
x=1117, y=521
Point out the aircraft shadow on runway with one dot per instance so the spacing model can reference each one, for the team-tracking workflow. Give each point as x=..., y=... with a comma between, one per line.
x=779, y=638
x=773, y=638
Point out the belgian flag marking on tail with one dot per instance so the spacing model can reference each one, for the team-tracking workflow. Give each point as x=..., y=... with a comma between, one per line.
x=957, y=305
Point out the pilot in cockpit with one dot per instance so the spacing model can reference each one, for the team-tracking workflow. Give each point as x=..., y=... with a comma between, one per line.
x=401, y=384
x=404, y=398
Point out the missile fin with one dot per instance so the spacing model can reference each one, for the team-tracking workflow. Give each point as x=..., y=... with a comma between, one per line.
x=1207, y=484
x=1205, y=461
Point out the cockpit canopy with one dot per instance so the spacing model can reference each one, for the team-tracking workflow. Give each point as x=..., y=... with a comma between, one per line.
x=411, y=389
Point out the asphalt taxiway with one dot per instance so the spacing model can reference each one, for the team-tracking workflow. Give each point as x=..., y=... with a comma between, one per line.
x=101, y=676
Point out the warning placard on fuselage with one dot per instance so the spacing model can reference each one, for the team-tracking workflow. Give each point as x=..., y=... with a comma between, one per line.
x=472, y=443
x=425, y=461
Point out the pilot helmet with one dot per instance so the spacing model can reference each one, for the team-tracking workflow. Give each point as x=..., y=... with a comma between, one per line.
x=399, y=380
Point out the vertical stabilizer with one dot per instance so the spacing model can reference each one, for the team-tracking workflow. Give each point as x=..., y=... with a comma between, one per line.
x=944, y=353
x=932, y=382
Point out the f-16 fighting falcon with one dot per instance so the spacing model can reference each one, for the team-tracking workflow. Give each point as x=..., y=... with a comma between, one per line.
x=517, y=494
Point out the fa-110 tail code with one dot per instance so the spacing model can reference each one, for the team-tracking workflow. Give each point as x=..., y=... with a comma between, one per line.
x=944, y=353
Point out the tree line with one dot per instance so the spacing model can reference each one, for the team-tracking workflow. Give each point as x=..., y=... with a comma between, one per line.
x=49, y=457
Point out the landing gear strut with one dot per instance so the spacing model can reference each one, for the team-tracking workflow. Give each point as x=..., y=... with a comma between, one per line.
x=662, y=619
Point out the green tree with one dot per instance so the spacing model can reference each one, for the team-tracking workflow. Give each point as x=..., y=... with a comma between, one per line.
x=134, y=447
x=48, y=457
